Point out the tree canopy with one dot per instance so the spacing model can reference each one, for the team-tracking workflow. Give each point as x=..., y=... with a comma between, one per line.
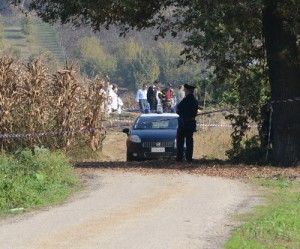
x=253, y=43
x=93, y=58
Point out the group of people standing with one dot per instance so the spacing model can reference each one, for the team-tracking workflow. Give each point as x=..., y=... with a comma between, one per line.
x=183, y=102
x=154, y=99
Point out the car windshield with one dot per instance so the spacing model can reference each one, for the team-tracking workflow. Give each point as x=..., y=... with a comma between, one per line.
x=155, y=122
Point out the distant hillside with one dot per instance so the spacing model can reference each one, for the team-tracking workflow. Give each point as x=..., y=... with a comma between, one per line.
x=42, y=38
x=61, y=40
x=48, y=39
x=69, y=36
x=140, y=59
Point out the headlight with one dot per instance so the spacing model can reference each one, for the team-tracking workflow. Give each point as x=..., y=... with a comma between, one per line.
x=135, y=139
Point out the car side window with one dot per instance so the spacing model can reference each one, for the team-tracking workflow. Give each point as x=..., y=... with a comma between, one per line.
x=139, y=126
x=143, y=124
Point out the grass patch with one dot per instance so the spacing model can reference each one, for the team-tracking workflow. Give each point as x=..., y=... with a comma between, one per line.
x=276, y=225
x=84, y=154
x=213, y=142
x=29, y=180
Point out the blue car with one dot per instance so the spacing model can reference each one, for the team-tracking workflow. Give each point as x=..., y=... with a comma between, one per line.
x=152, y=136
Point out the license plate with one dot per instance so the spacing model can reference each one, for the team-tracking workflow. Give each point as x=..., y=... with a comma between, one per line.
x=158, y=149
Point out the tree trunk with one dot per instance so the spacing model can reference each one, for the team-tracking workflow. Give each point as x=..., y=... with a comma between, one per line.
x=284, y=75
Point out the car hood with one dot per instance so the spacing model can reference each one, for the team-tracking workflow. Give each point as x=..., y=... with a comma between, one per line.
x=155, y=135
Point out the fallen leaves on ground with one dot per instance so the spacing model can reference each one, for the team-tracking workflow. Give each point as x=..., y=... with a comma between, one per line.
x=200, y=167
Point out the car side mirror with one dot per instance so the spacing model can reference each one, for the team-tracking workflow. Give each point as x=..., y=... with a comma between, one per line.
x=126, y=130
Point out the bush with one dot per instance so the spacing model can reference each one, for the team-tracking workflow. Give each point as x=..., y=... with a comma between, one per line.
x=27, y=25
x=32, y=179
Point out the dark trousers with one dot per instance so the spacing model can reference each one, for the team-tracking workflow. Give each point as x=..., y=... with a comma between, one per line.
x=187, y=136
x=153, y=104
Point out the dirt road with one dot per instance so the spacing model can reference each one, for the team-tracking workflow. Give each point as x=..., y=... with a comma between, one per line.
x=135, y=210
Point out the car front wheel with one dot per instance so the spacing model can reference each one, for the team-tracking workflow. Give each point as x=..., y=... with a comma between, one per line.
x=129, y=157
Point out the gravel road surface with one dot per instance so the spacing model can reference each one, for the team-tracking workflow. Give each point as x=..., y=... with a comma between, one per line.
x=135, y=210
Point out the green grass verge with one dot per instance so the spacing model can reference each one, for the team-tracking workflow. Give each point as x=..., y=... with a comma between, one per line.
x=275, y=225
x=30, y=180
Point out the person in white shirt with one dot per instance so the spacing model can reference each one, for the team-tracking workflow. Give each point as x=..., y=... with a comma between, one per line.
x=159, y=106
x=114, y=98
x=109, y=99
x=141, y=98
x=120, y=105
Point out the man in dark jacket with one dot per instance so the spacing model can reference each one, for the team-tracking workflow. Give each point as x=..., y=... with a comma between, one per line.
x=187, y=110
x=152, y=96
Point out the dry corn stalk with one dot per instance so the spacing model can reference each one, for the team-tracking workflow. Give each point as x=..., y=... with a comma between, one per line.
x=33, y=93
x=94, y=111
x=32, y=101
x=64, y=102
x=10, y=78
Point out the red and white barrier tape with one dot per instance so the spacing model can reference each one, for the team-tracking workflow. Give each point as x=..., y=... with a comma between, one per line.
x=39, y=134
x=129, y=122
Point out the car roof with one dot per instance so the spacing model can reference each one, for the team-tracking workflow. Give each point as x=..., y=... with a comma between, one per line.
x=159, y=115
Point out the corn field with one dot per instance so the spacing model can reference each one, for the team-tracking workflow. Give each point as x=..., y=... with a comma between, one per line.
x=33, y=101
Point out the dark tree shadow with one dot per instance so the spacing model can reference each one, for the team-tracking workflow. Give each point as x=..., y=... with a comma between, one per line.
x=167, y=164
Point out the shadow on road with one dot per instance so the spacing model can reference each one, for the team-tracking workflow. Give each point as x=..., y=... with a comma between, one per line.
x=151, y=164
x=216, y=168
